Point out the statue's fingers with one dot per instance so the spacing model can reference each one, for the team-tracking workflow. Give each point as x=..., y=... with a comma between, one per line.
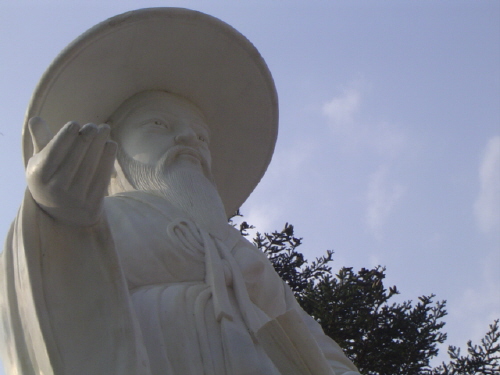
x=182, y=235
x=102, y=175
x=180, y=231
x=40, y=133
x=87, y=168
x=70, y=165
x=195, y=234
x=183, y=240
x=190, y=241
x=58, y=148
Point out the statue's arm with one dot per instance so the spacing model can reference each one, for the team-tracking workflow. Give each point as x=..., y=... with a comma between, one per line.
x=276, y=298
x=68, y=303
x=65, y=305
x=331, y=350
x=68, y=173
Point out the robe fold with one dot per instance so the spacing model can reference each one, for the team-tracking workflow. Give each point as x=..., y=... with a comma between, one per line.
x=146, y=291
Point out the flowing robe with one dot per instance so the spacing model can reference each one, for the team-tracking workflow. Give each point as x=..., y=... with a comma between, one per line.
x=130, y=296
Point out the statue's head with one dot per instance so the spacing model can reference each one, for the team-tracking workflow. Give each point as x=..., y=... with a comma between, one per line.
x=163, y=149
x=157, y=132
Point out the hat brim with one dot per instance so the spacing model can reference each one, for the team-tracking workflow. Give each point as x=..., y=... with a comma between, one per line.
x=181, y=51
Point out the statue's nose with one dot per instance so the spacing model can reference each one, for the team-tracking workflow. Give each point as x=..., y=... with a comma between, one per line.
x=186, y=136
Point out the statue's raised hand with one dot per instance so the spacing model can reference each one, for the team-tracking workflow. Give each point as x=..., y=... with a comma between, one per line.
x=68, y=173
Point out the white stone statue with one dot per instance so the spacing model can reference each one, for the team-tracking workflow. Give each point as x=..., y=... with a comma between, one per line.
x=129, y=266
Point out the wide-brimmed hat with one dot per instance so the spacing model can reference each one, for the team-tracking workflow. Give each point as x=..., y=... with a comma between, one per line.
x=181, y=51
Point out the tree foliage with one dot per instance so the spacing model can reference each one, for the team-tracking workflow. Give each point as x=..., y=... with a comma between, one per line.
x=380, y=336
x=483, y=359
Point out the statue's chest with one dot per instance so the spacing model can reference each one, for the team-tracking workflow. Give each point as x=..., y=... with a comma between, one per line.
x=147, y=253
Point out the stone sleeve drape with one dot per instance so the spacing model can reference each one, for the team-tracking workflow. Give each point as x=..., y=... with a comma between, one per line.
x=64, y=305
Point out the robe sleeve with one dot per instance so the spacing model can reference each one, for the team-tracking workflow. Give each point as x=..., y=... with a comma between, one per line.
x=290, y=323
x=64, y=304
x=332, y=352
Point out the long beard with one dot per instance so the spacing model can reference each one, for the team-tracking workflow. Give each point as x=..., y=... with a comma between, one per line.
x=187, y=189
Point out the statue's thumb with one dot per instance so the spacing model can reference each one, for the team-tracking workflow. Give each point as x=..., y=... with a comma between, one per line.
x=40, y=133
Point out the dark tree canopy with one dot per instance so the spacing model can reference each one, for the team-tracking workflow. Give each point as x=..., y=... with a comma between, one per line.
x=381, y=337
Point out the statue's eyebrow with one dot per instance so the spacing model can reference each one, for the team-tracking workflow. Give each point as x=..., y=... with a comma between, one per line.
x=202, y=125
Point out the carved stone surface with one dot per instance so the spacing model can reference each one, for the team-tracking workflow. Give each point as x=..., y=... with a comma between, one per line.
x=126, y=264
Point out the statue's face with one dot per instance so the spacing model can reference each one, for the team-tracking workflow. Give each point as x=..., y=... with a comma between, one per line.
x=164, y=123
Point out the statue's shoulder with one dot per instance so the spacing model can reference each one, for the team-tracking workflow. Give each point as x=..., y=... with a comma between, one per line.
x=243, y=247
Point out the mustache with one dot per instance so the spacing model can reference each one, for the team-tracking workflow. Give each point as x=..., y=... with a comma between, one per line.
x=177, y=150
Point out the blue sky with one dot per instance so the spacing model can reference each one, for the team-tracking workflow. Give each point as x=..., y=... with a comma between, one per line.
x=389, y=144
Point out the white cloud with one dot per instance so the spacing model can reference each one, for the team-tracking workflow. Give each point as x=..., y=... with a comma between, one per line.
x=292, y=159
x=382, y=196
x=344, y=115
x=278, y=186
x=262, y=217
x=487, y=205
x=342, y=109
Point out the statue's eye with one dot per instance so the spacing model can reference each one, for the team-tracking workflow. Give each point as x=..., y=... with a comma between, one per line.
x=160, y=123
x=202, y=138
x=157, y=122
